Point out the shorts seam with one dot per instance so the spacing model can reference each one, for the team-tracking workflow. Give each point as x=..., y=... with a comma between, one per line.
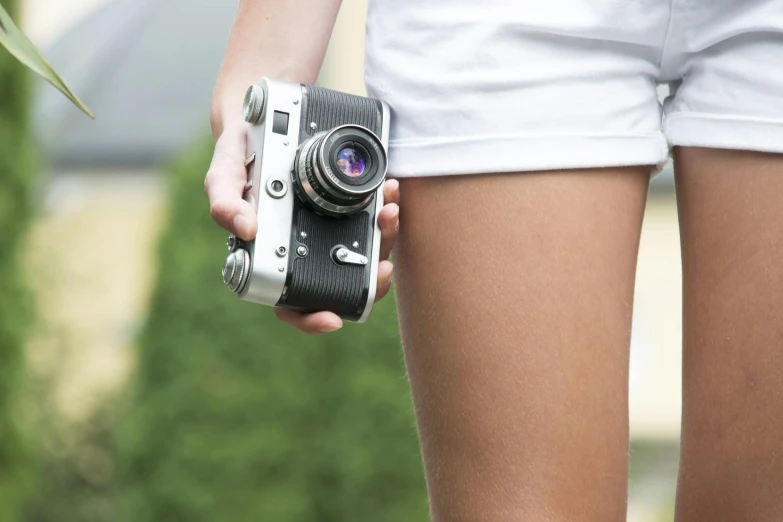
x=524, y=153
x=454, y=140
x=717, y=131
x=680, y=115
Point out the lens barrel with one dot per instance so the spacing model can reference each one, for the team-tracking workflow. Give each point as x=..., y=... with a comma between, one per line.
x=337, y=171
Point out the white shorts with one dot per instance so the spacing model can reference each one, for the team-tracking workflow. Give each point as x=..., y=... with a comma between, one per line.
x=518, y=85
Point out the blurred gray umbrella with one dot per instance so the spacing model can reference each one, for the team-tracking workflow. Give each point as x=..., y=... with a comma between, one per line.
x=146, y=68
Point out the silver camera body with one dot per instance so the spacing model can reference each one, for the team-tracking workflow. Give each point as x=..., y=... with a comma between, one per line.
x=316, y=171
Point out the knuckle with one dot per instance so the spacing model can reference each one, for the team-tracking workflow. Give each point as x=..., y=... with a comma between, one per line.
x=382, y=291
x=218, y=210
x=388, y=236
x=229, y=176
x=209, y=180
x=305, y=328
x=284, y=316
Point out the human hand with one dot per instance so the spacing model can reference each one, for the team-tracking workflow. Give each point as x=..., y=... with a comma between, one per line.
x=224, y=185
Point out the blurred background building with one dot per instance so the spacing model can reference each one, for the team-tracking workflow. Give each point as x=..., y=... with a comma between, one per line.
x=146, y=68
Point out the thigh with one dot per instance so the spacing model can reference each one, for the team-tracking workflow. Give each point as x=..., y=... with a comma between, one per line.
x=731, y=221
x=515, y=295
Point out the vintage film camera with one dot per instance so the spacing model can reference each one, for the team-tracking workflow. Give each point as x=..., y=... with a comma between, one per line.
x=316, y=170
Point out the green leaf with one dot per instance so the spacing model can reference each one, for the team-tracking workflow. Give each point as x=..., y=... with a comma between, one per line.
x=23, y=49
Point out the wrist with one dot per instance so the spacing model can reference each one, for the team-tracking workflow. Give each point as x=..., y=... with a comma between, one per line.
x=221, y=119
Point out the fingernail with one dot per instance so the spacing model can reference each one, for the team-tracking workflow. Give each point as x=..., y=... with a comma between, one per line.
x=241, y=226
x=394, y=184
x=395, y=211
x=332, y=327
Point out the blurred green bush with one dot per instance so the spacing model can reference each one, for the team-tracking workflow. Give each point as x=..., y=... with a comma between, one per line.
x=234, y=416
x=16, y=180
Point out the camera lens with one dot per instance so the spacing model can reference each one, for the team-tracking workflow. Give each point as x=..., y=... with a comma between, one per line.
x=337, y=171
x=350, y=162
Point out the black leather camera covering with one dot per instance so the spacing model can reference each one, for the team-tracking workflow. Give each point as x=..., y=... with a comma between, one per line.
x=316, y=282
x=329, y=109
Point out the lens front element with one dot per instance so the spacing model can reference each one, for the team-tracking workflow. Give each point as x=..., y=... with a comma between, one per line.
x=338, y=171
x=350, y=162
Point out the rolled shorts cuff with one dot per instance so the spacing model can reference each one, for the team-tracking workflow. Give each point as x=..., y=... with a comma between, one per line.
x=724, y=132
x=453, y=156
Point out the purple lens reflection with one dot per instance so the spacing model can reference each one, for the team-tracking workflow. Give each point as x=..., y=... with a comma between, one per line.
x=350, y=162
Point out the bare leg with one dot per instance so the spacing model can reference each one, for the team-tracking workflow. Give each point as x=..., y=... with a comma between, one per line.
x=731, y=220
x=515, y=295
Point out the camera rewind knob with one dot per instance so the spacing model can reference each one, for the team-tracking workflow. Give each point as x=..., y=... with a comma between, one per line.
x=254, y=104
x=236, y=269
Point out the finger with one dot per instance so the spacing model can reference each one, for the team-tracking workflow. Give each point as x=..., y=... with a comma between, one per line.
x=225, y=183
x=391, y=192
x=235, y=215
x=385, y=269
x=317, y=323
x=389, y=221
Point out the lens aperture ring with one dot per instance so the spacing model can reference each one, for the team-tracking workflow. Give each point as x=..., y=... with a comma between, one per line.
x=323, y=184
x=337, y=188
x=312, y=190
x=369, y=150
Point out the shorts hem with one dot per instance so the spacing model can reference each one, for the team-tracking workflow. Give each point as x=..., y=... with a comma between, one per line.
x=456, y=156
x=688, y=129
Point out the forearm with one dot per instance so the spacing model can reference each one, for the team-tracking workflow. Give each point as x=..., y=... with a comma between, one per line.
x=279, y=38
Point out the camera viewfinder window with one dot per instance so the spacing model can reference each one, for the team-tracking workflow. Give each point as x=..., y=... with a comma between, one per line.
x=280, y=123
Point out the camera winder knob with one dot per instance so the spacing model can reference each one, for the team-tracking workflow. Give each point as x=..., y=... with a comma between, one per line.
x=236, y=269
x=254, y=104
x=344, y=256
